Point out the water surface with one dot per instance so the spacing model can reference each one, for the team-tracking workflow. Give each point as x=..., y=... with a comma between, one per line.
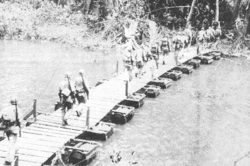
x=33, y=70
x=202, y=120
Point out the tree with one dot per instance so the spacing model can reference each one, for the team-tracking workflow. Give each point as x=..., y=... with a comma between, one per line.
x=247, y=18
x=217, y=13
x=236, y=9
x=190, y=13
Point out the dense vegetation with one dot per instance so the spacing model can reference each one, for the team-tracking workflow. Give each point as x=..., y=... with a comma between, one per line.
x=104, y=23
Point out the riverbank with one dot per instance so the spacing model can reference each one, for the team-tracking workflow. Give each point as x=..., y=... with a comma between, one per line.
x=48, y=22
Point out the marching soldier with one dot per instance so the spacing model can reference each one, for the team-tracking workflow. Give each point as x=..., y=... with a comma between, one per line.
x=155, y=51
x=201, y=37
x=82, y=90
x=128, y=63
x=67, y=97
x=165, y=47
x=139, y=61
x=10, y=119
x=177, y=49
x=218, y=32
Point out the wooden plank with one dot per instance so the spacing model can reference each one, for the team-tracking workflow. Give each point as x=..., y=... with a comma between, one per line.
x=57, y=125
x=71, y=123
x=117, y=92
x=54, y=131
x=109, y=93
x=101, y=104
x=21, y=163
x=38, y=133
x=81, y=119
x=56, y=128
x=95, y=115
x=42, y=137
x=42, y=140
x=31, y=152
x=58, y=119
x=105, y=95
x=34, y=146
x=26, y=163
x=34, y=141
x=35, y=159
x=105, y=99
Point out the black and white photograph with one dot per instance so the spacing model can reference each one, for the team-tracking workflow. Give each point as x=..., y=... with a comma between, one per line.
x=124, y=82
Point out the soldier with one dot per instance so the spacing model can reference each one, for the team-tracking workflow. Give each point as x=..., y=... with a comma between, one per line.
x=217, y=30
x=210, y=34
x=139, y=61
x=155, y=51
x=82, y=90
x=177, y=49
x=165, y=47
x=127, y=60
x=67, y=97
x=11, y=118
x=201, y=37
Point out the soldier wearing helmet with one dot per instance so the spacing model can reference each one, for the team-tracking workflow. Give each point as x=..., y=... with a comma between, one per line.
x=67, y=96
x=165, y=47
x=155, y=52
x=10, y=123
x=82, y=89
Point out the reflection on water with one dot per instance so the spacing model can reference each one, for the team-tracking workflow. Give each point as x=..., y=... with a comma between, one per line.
x=202, y=120
x=33, y=70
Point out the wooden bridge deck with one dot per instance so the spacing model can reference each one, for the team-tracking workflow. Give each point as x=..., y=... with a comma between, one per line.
x=43, y=138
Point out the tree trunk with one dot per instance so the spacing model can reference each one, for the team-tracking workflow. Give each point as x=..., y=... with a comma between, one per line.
x=87, y=6
x=247, y=19
x=217, y=13
x=236, y=9
x=190, y=13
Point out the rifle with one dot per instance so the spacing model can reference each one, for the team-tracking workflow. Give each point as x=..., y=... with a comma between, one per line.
x=84, y=87
x=17, y=120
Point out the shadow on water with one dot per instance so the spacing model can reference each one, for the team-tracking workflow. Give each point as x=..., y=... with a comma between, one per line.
x=31, y=70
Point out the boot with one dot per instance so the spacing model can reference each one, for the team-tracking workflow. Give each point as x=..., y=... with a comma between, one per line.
x=7, y=163
x=65, y=123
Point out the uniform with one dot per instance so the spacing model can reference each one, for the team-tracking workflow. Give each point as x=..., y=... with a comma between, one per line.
x=210, y=34
x=66, y=93
x=177, y=48
x=139, y=60
x=155, y=51
x=81, y=87
x=165, y=47
x=128, y=63
x=201, y=38
x=82, y=91
x=9, y=120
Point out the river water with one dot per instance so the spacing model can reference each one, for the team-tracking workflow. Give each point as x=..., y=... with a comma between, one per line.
x=201, y=120
x=32, y=70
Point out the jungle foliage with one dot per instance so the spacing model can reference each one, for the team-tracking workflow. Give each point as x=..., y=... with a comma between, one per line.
x=78, y=22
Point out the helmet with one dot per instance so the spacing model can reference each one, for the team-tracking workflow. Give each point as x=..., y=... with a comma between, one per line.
x=67, y=75
x=82, y=72
x=13, y=101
